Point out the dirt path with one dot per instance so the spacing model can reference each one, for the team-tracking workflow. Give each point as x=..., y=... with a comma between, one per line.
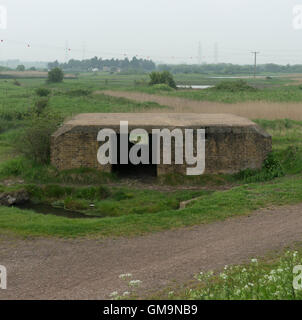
x=87, y=269
x=251, y=110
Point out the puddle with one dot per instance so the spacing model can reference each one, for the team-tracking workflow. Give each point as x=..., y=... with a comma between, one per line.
x=196, y=87
x=47, y=209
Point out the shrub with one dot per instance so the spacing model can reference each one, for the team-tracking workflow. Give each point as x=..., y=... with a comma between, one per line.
x=271, y=168
x=34, y=142
x=164, y=77
x=55, y=75
x=234, y=86
x=40, y=105
x=43, y=92
x=16, y=83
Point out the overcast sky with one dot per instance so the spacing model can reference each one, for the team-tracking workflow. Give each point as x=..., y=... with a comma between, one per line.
x=165, y=30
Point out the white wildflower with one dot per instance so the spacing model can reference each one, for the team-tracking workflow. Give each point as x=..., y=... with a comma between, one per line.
x=125, y=275
x=113, y=294
x=223, y=276
x=134, y=283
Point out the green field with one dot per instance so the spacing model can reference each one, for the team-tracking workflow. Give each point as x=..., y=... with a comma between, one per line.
x=130, y=209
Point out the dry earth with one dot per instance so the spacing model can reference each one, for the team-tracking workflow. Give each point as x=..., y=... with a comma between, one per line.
x=90, y=269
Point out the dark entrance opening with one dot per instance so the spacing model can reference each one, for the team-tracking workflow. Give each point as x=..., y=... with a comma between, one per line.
x=131, y=170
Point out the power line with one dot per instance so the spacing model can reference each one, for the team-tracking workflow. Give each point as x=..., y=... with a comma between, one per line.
x=255, y=62
x=199, y=53
x=84, y=50
x=67, y=49
x=216, y=53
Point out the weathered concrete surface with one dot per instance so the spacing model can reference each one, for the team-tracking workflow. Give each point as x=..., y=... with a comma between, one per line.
x=232, y=143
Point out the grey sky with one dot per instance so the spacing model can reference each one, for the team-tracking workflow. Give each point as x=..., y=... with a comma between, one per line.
x=165, y=30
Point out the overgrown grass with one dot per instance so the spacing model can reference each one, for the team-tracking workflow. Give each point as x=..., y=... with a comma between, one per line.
x=208, y=208
x=290, y=93
x=265, y=279
x=109, y=201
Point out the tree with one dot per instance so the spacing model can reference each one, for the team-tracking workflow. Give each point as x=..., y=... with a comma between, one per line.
x=35, y=140
x=20, y=67
x=164, y=77
x=55, y=75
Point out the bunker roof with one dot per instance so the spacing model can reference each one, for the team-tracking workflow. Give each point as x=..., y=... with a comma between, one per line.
x=158, y=120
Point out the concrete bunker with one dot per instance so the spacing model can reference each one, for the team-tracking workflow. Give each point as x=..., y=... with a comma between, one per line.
x=232, y=143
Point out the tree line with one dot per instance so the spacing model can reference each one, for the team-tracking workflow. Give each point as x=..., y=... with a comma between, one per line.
x=229, y=69
x=134, y=65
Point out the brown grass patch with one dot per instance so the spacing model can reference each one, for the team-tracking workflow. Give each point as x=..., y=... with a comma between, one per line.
x=31, y=74
x=251, y=110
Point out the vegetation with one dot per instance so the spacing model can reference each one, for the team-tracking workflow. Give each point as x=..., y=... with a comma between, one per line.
x=109, y=201
x=230, y=93
x=208, y=208
x=34, y=140
x=266, y=279
x=113, y=65
x=159, y=78
x=43, y=92
x=55, y=75
x=229, y=69
x=234, y=86
x=20, y=67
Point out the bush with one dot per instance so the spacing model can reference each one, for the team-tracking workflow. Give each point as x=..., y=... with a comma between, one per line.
x=16, y=83
x=234, y=86
x=34, y=142
x=271, y=168
x=43, y=92
x=164, y=77
x=40, y=105
x=55, y=75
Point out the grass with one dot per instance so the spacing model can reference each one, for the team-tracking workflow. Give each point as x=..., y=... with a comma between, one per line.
x=227, y=91
x=110, y=201
x=209, y=208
